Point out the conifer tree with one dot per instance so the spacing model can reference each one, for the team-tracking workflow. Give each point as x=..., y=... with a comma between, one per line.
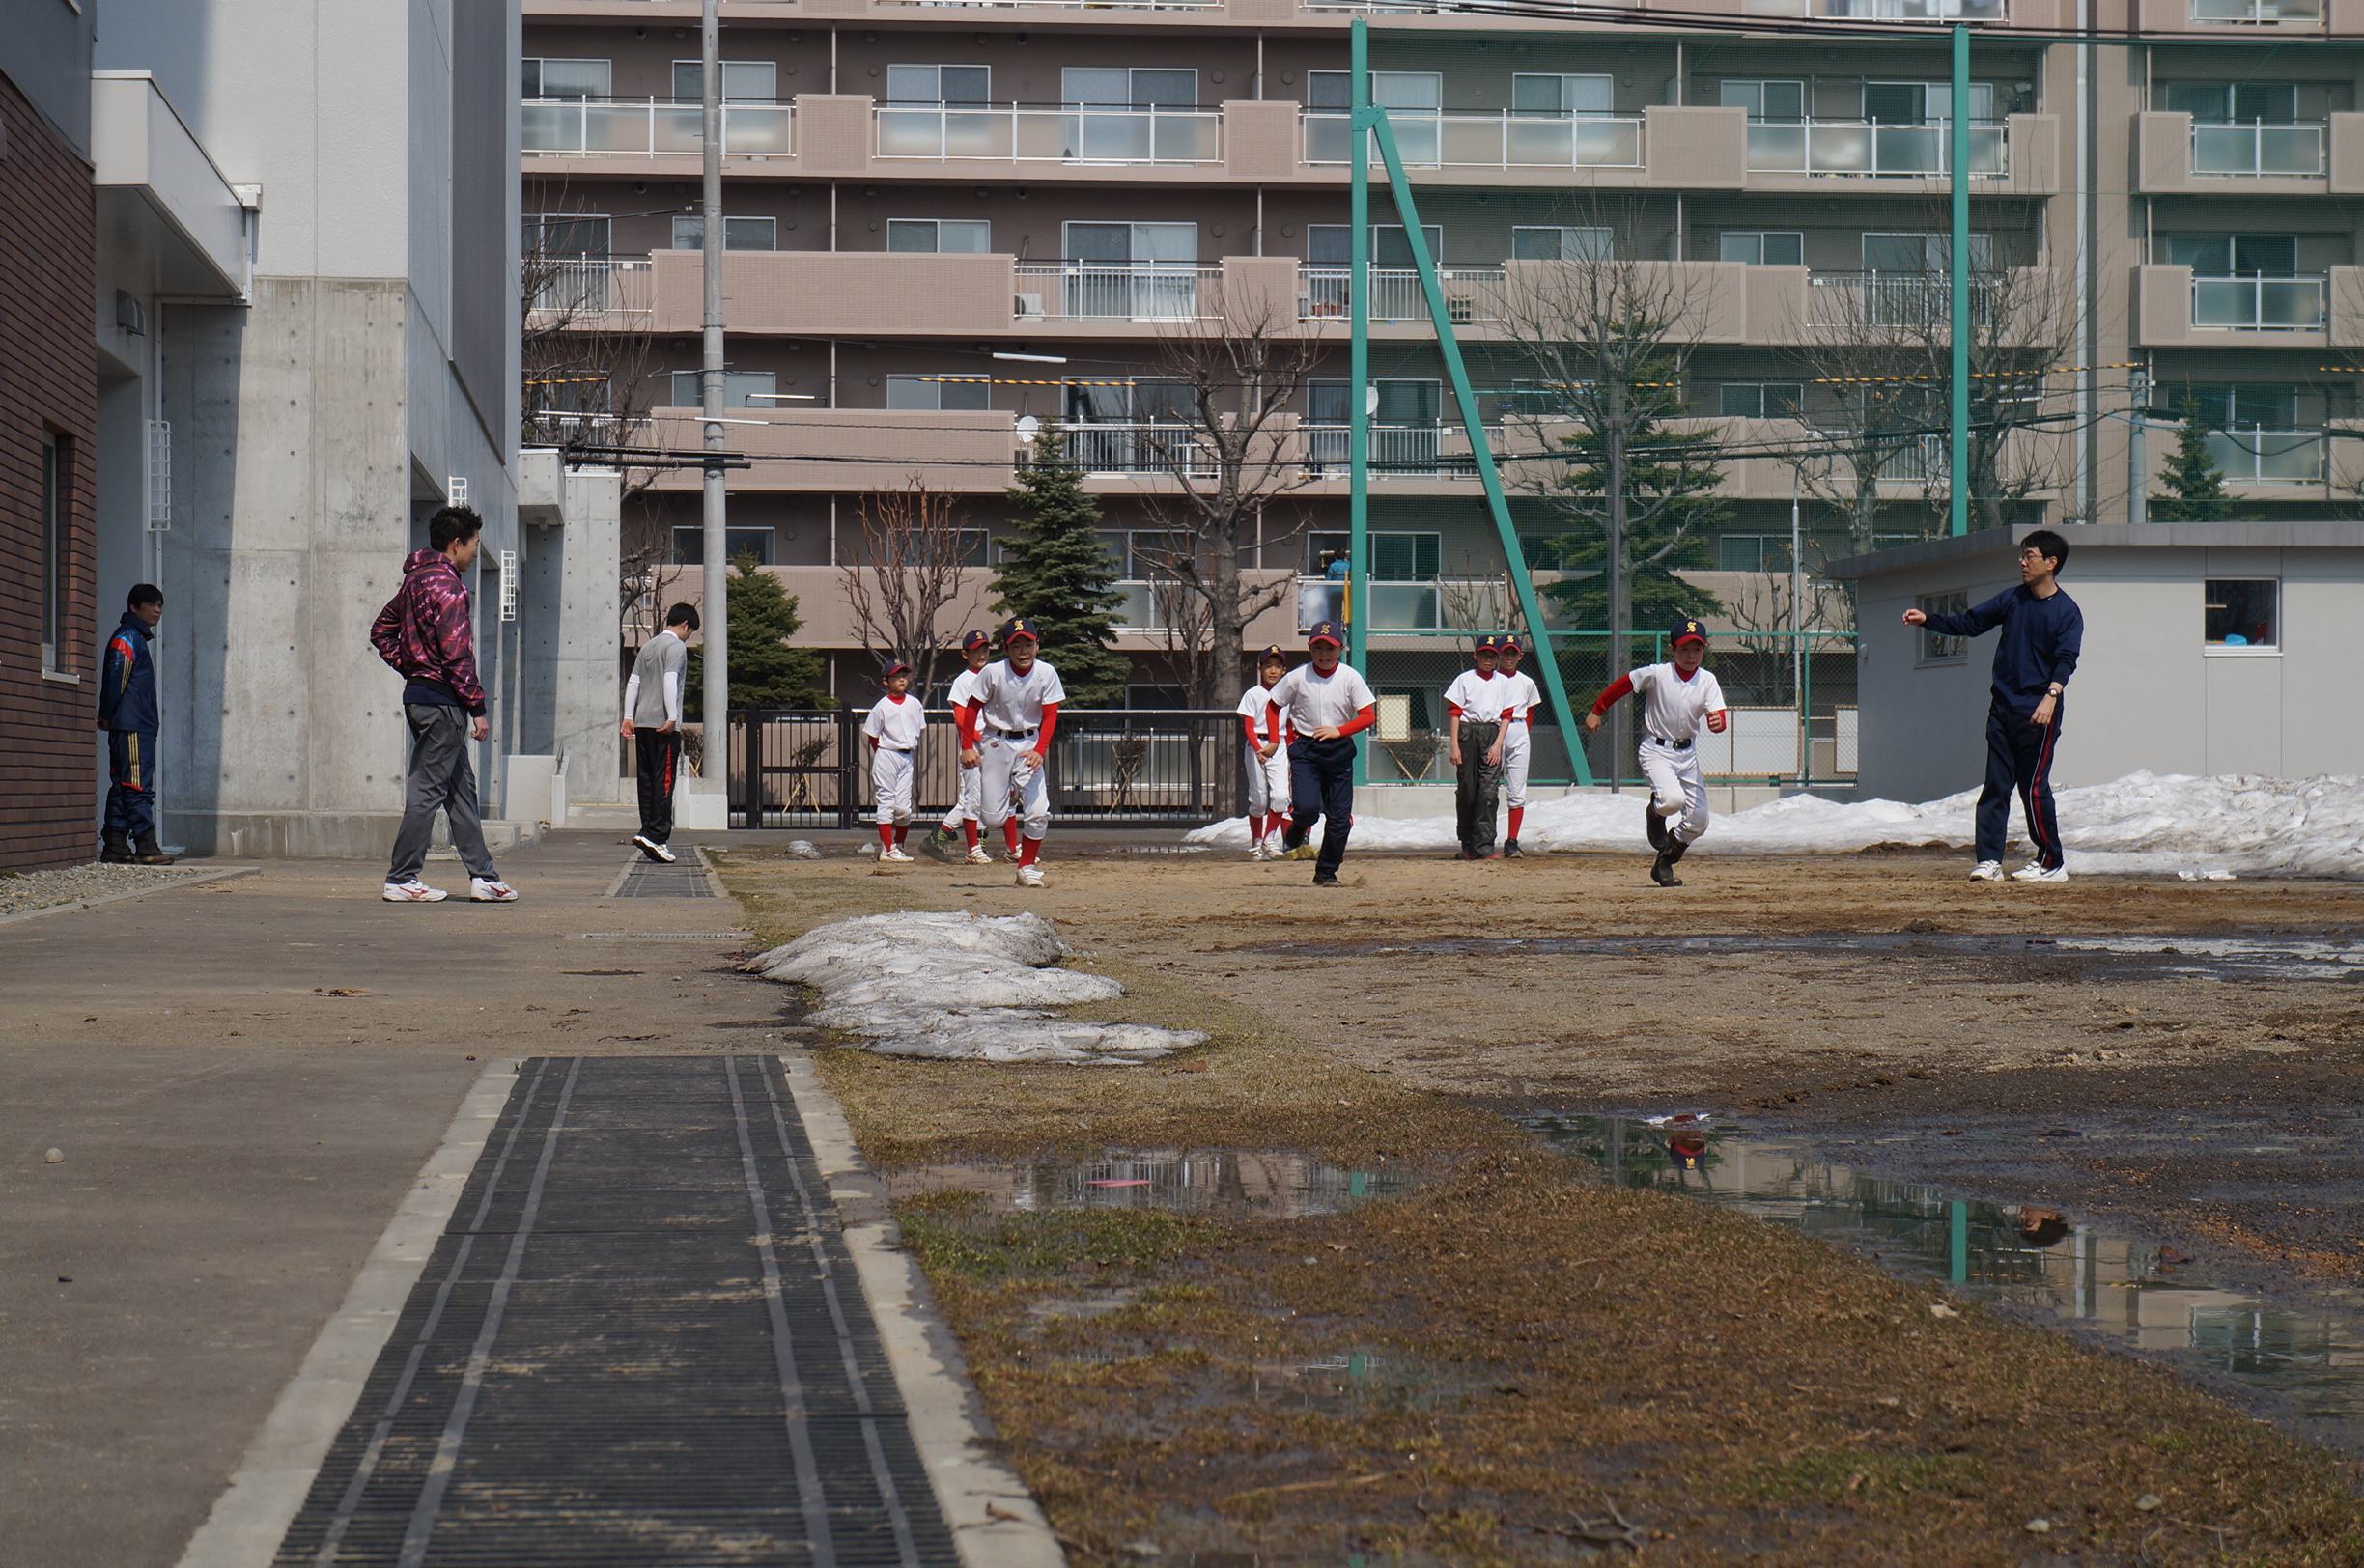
x=2193, y=476
x=1057, y=573
x=764, y=671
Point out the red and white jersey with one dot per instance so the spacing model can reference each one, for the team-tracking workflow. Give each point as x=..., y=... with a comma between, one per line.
x=1252, y=704
x=963, y=689
x=1524, y=698
x=1476, y=697
x=1315, y=701
x=1014, y=701
x=1673, y=708
x=896, y=722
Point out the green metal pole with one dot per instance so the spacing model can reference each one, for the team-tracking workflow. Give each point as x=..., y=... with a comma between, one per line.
x=1448, y=345
x=1957, y=413
x=1358, y=373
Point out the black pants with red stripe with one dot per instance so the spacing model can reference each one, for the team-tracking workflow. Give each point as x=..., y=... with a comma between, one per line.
x=2019, y=761
x=657, y=759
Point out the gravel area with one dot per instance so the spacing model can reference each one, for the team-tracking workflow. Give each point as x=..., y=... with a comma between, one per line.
x=24, y=890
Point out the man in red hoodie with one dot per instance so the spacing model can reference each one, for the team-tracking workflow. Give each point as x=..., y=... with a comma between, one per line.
x=425, y=635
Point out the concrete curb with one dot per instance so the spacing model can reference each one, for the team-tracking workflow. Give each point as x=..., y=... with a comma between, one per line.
x=996, y=1521
x=275, y=1477
x=198, y=880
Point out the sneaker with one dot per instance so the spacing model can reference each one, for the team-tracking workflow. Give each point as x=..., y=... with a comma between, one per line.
x=493, y=891
x=977, y=856
x=1257, y=852
x=2033, y=871
x=1303, y=851
x=938, y=845
x=1029, y=877
x=893, y=856
x=652, y=849
x=413, y=892
x=1511, y=851
x=1274, y=847
x=1324, y=880
x=1986, y=871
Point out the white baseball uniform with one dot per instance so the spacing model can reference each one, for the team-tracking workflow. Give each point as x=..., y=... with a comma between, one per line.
x=964, y=809
x=1673, y=713
x=1268, y=778
x=896, y=724
x=1477, y=698
x=1009, y=726
x=1523, y=698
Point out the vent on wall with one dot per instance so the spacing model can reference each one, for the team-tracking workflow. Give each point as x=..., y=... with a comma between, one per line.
x=508, y=586
x=160, y=475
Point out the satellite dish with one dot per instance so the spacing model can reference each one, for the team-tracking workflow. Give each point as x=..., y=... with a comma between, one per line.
x=1028, y=426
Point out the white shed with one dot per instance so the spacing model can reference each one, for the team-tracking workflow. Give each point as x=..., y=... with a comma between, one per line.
x=2210, y=648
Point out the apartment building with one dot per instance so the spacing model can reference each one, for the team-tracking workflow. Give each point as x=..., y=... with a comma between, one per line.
x=951, y=221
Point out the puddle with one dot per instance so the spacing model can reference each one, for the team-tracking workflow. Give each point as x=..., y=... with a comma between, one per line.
x=2211, y=958
x=2121, y=1289
x=1233, y=1183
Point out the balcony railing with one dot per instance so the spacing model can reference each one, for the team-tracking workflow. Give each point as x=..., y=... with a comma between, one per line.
x=2257, y=148
x=1117, y=291
x=1451, y=605
x=571, y=286
x=650, y=127
x=1425, y=451
x=2259, y=304
x=1863, y=148
x=1022, y=133
x=2269, y=457
x=1910, y=11
x=1146, y=448
x=1472, y=293
x=1858, y=299
x=1478, y=139
x=2253, y=12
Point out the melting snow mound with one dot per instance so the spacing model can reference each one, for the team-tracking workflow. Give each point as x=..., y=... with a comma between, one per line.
x=957, y=986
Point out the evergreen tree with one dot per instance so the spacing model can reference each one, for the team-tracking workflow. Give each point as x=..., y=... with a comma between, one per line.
x=1672, y=512
x=2193, y=476
x=1057, y=573
x=764, y=671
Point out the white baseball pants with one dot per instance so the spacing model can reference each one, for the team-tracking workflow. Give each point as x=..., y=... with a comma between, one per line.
x=890, y=785
x=1674, y=780
x=1519, y=753
x=965, y=808
x=1268, y=781
x=999, y=773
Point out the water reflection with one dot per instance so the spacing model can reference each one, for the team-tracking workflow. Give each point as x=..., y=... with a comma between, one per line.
x=1233, y=1183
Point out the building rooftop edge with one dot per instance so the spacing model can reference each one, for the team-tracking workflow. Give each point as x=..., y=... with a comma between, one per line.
x=2275, y=535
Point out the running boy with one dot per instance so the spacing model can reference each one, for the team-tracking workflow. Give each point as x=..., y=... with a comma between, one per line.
x=2043, y=631
x=1522, y=698
x=1676, y=698
x=1268, y=762
x=1473, y=709
x=1327, y=704
x=976, y=649
x=1006, y=730
x=894, y=727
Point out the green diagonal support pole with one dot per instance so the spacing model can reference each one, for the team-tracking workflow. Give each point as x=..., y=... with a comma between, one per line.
x=1957, y=401
x=1358, y=371
x=1448, y=346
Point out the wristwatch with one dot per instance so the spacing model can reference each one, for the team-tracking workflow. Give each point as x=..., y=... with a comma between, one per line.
x=2053, y=690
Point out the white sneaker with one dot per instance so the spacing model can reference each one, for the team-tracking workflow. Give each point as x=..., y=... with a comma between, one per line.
x=654, y=849
x=2033, y=871
x=976, y=856
x=1257, y=852
x=494, y=891
x=1986, y=871
x=1274, y=850
x=1029, y=877
x=892, y=856
x=413, y=892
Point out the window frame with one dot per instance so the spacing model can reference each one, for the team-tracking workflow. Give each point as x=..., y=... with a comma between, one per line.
x=938, y=67
x=56, y=552
x=770, y=378
x=1931, y=648
x=768, y=555
x=2213, y=649
x=1604, y=245
x=938, y=383
x=541, y=93
x=1761, y=236
x=1760, y=83
x=1796, y=404
x=936, y=227
x=698, y=67
x=729, y=223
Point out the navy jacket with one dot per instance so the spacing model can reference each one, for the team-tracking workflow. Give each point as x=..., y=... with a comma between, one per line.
x=126, y=681
x=2041, y=638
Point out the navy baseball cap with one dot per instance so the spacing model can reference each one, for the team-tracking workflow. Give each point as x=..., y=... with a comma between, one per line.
x=1488, y=645
x=1510, y=645
x=976, y=639
x=1020, y=626
x=1687, y=630
x=1270, y=656
x=1329, y=631
x=894, y=668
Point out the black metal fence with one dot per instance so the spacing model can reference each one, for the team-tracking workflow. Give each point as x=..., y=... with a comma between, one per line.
x=1117, y=766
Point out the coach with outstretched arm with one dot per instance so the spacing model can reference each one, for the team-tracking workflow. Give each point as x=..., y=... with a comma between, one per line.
x=2042, y=633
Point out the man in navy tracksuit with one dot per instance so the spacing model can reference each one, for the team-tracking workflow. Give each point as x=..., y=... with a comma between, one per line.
x=2042, y=633
x=128, y=712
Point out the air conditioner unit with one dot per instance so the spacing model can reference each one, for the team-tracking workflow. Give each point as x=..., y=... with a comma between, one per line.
x=1031, y=306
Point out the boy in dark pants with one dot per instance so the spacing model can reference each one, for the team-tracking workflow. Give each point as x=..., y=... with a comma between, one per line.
x=2043, y=631
x=128, y=713
x=652, y=723
x=1327, y=704
x=1474, y=706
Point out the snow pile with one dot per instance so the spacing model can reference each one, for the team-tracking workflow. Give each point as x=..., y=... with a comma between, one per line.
x=956, y=986
x=2232, y=823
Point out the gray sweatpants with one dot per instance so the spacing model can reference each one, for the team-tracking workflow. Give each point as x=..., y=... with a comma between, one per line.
x=440, y=778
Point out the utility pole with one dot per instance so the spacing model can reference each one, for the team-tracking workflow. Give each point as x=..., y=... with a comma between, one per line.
x=1798, y=632
x=1359, y=391
x=2138, y=458
x=1958, y=403
x=1615, y=440
x=716, y=692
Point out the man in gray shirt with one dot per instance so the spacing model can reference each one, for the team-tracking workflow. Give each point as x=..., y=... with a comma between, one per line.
x=652, y=723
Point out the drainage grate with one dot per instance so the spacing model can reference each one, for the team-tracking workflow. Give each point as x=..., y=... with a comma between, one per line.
x=640, y=1341
x=653, y=879
x=658, y=937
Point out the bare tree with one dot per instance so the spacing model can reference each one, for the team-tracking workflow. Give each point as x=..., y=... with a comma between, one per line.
x=1770, y=621
x=906, y=569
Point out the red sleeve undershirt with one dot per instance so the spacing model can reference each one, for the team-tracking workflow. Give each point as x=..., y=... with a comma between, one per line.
x=965, y=717
x=1248, y=727
x=1363, y=720
x=1622, y=689
x=1049, y=722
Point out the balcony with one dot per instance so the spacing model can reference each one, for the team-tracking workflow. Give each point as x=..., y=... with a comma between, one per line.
x=2253, y=149
x=1145, y=449
x=2269, y=457
x=649, y=127
x=1472, y=293
x=1860, y=149
x=572, y=288
x=1115, y=292
x=2254, y=13
x=2259, y=304
x=1478, y=139
x=1022, y=133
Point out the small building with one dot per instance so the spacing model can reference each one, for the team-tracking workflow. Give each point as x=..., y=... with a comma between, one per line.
x=2210, y=648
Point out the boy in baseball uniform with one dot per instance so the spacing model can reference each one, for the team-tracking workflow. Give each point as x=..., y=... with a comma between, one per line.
x=1327, y=705
x=894, y=727
x=1473, y=734
x=1006, y=730
x=976, y=649
x=1268, y=764
x=1678, y=699
x=1522, y=697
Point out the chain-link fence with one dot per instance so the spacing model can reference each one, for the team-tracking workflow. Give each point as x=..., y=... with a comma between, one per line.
x=1792, y=696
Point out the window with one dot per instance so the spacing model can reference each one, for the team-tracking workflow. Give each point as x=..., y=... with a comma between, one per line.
x=940, y=84
x=737, y=234
x=1115, y=87
x=1142, y=555
x=966, y=237
x=1147, y=402
x=1761, y=400
x=938, y=392
x=1922, y=104
x=1395, y=557
x=1935, y=648
x=1130, y=242
x=743, y=81
x=2241, y=612
x=2232, y=255
x=2268, y=104
x=1331, y=244
x=567, y=78
x=1562, y=95
x=1399, y=403
x=57, y=549
x=1768, y=103
x=690, y=545
x=566, y=233
x=1389, y=88
x=1753, y=552
x=1761, y=247
x=741, y=389
x=1532, y=244
x=1921, y=252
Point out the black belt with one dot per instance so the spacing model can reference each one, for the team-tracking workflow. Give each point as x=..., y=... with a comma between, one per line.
x=1678, y=745
x=1010, y=735
x=905, y=750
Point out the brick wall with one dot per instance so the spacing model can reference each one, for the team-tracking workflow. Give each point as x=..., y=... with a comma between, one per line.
x=48, y=385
